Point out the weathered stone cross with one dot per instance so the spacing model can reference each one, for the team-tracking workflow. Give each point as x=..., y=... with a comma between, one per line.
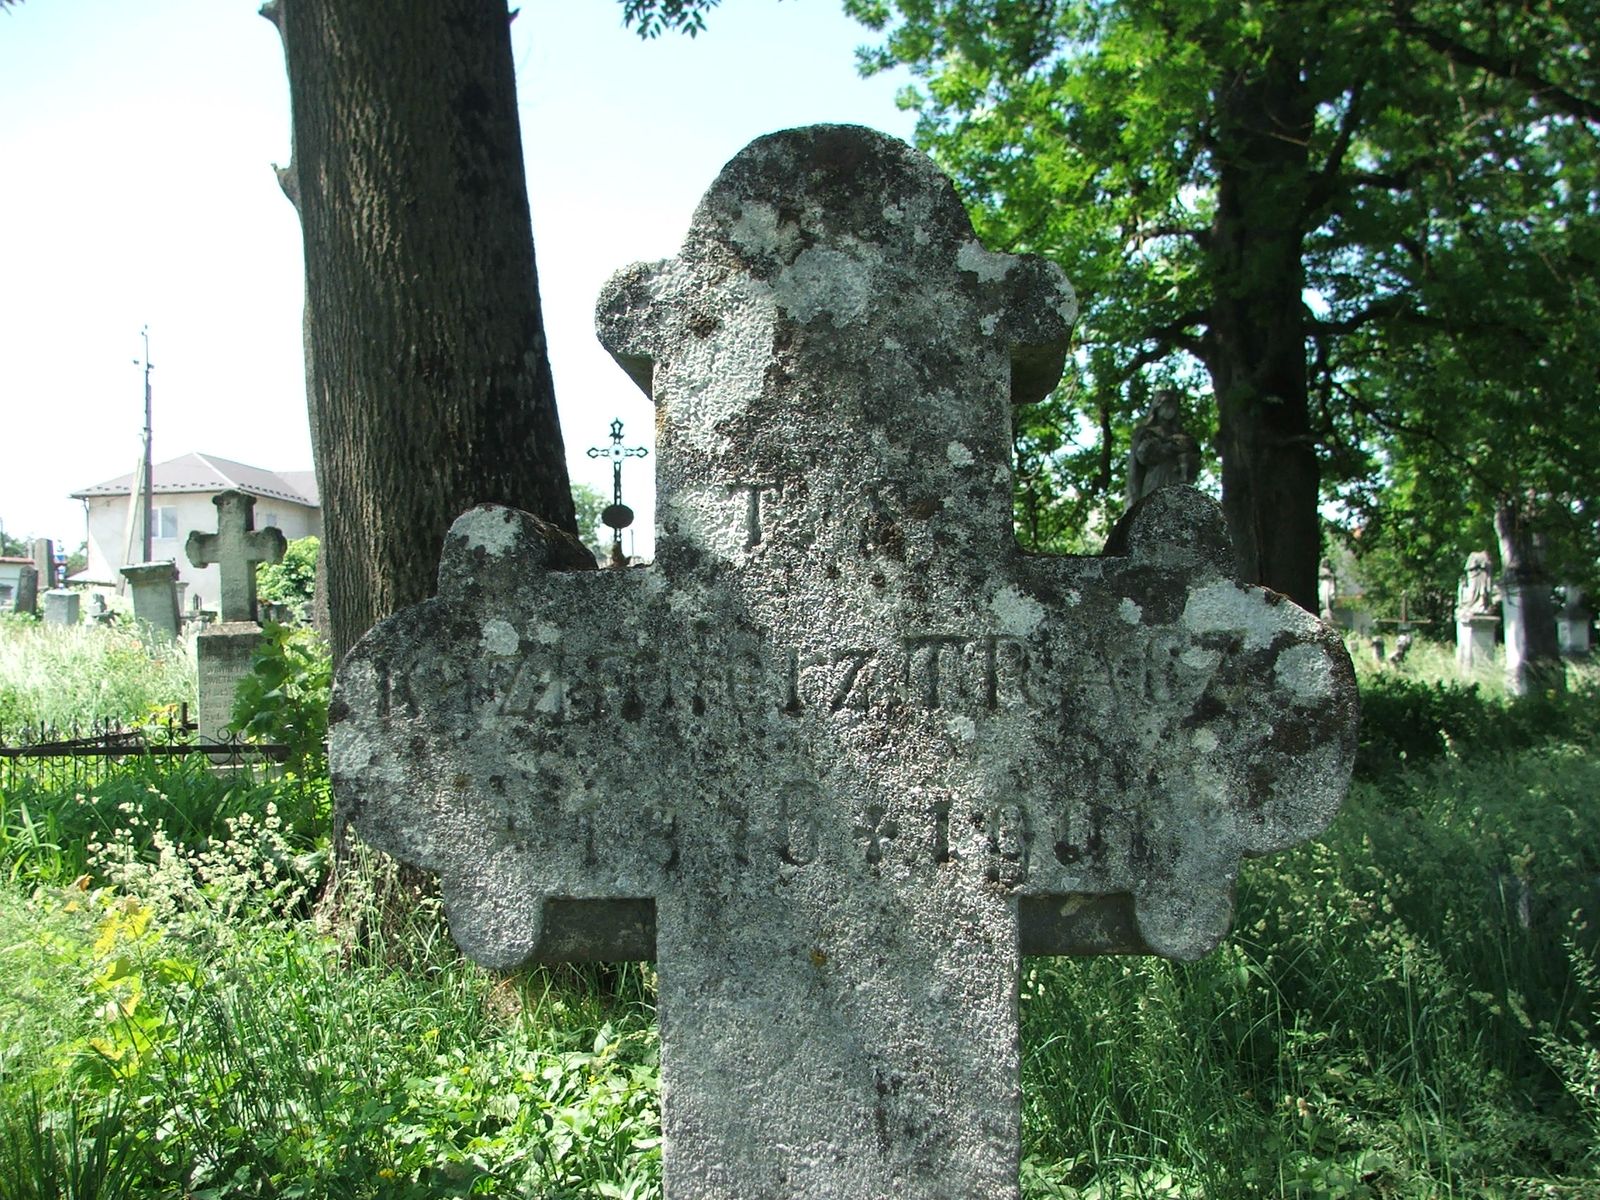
x=848, y=748
x=236, y=547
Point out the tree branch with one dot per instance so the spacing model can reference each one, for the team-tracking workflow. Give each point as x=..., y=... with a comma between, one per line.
x=1501, y=66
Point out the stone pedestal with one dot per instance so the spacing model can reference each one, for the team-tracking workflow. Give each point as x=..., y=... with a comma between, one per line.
x=61, y=607
x=155, y=595
x=27, y=600
x=222, y=654
x=1475, y=641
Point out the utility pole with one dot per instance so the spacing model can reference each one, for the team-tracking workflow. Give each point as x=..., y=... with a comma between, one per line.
x=149, y=480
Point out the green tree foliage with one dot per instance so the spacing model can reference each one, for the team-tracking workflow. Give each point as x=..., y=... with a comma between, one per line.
x=588, y=502
x=652, y=18
x=1366, y=229
x=292, y=581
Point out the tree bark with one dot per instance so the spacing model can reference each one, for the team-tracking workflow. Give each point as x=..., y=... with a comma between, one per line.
x=1256, y=346
x=429, y=385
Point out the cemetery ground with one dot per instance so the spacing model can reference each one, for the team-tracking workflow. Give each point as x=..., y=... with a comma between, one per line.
x=1409, y=1007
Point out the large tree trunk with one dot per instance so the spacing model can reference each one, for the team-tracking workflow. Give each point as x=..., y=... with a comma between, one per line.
x=429, y=385
x=1256, y=351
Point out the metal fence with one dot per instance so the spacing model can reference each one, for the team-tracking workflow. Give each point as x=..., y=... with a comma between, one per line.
x=80, y=756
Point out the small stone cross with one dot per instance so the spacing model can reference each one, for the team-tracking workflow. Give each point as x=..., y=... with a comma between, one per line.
x=843, y=746
x=237, y=547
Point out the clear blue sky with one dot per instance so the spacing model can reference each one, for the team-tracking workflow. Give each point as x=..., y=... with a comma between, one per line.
x=137, y=147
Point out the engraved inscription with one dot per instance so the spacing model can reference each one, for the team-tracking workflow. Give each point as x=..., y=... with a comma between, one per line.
x=876, y=828
x=965, y=673
x=752, y=493
x=1008, y=843
x=796, y=825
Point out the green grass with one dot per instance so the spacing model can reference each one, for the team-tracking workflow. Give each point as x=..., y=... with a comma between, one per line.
x=64, y=676
x=1407, y=1008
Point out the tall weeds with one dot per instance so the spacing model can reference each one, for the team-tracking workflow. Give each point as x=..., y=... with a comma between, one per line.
x=74, y=675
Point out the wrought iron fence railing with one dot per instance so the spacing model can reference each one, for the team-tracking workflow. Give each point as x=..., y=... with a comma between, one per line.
x=80, y=754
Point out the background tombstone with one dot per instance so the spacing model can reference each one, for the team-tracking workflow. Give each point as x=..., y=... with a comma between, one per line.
x=43, y=551
x=843, y=749
x=61, y=607
x=1527, y=603
x=223, y=651
x=1477, y=618
x=27, y=598
x=1572, y=623
x=153, y=587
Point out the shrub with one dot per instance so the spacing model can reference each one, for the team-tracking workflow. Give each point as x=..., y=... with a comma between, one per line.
x=284, y=699
x=292, y=581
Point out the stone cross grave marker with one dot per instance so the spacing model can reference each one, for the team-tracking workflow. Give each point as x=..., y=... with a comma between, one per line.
x=223, y=652
x=237, y=547
x=843, y=742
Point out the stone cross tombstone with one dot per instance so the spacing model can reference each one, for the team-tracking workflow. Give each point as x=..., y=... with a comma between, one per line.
x=237, y=548
x=223, y=651
x=843, y=749
x=153, y=587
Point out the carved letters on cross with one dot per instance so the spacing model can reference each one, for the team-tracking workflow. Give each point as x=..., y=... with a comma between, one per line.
x=842, y=734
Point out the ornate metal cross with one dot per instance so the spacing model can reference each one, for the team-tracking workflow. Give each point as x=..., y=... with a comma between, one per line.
x=617, y=515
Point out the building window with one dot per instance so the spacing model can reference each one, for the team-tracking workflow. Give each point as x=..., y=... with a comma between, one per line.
x=166, y=522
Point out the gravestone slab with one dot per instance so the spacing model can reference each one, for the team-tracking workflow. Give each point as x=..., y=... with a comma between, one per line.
x=223, y=651
x=61, y=607
x=1572, y=623
x=27, y=598
x=153, y=588
x=842, y=745
x=43, y=551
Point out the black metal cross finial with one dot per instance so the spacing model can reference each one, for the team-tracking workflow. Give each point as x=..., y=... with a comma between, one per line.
x=617, y=515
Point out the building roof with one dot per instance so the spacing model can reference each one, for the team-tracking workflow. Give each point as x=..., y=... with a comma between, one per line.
x=208, y=473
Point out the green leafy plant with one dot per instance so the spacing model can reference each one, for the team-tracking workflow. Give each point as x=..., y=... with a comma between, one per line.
x=292, y=581
x=284, y=698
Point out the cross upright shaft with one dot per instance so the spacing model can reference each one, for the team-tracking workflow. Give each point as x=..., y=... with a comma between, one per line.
x=842, y=729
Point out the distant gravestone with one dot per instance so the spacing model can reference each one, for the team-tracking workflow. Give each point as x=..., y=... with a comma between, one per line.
x=61, y=607
x=153, y=588
x=27, y=598
x=1572, y=623
x=43, y=551
x=223, y=651
x=843, y=752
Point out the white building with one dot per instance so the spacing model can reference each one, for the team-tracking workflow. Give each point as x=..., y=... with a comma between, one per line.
x=184, y=488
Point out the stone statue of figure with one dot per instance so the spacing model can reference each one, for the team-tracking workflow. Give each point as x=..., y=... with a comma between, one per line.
x=1163, y=452
x=1475, y=597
